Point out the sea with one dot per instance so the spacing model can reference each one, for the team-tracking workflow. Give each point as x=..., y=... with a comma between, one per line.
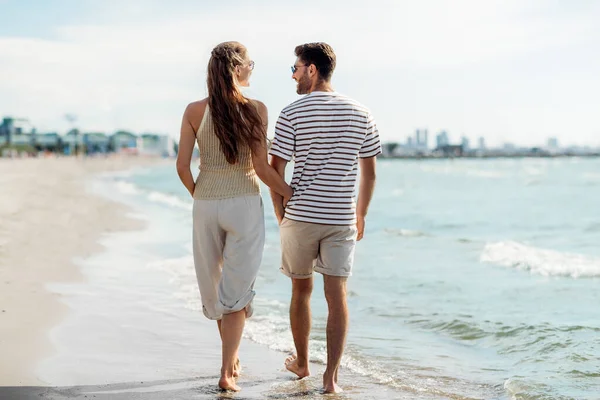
x=476, y=279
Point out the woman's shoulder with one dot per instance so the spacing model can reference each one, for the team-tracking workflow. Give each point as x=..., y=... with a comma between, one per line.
x=258, y=104
x=197, y=106
x=194, y=112
x=260, y=107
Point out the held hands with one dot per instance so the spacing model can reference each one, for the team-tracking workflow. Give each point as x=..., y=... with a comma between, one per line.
x=287, y=196
x=280, y=213
x=360, y=227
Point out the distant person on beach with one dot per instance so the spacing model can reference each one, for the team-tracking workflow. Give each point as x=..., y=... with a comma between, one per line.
x=228, y=215
x=329, y=136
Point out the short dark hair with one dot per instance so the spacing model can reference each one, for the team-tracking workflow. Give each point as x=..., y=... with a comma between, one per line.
x=321, y=55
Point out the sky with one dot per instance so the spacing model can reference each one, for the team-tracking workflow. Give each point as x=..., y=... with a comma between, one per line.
x=516, y=71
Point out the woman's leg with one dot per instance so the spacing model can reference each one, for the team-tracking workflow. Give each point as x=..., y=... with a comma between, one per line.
x=232, y=326
x=243, y=220
x=236, y=366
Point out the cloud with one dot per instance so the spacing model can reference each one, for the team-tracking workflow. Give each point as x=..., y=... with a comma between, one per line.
x=123, y=71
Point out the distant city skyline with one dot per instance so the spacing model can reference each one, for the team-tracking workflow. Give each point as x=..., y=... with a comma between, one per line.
x=508, y=71
x=419, y=140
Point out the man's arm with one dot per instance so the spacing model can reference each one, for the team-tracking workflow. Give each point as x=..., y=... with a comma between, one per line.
x=365, y=192
x=279, y=165
x=270, y=177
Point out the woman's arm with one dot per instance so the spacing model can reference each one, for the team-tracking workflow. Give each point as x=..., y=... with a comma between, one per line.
x=260, y=160
x=187, y=139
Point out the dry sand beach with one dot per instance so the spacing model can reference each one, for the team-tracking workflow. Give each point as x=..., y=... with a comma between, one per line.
x=47, y=220
x=59, y=346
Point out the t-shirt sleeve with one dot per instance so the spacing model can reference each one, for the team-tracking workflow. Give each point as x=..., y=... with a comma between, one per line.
x=371, y=146
x=283, y=142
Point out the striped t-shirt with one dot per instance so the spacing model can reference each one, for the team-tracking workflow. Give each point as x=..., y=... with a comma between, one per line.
x=325, y=133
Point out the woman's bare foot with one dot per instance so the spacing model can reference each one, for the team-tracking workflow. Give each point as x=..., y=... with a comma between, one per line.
x=237, y=368
x=228, y=383
x=291, y=363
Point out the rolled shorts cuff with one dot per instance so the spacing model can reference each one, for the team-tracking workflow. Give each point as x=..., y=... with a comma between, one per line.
x=295, y=276
x=244, y=303
x=324, y=271
x=216, y=317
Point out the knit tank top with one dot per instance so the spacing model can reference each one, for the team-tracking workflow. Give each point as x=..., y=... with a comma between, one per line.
x=218, y=179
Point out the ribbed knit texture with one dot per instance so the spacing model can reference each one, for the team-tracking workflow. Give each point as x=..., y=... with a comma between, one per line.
x=218, y=179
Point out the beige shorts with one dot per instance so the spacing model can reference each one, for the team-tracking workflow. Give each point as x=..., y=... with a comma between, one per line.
x=228, y=243
x=327, y=249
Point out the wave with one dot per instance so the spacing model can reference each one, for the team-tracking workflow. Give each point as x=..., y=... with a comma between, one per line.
x=540, y=261
x=168, y=199
x=593, y=227
x=127, y=188
x=405, y=232
x=270, y=327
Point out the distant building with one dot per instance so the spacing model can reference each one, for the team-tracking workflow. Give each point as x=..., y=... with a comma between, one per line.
x=421, y=139
x=72, y=142
x=552, y=143
x=15, y=131
x=482, y=143
x=465, y=143
x=123, y=141
x=156, y=145
x=96, y=142
x=451, y=150
x=442, y=139
x=47, y=141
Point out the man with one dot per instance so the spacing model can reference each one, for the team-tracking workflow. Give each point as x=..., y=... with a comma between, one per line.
x=328, y=135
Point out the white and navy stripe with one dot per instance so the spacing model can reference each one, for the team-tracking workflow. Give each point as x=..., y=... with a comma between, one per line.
x=325, y=133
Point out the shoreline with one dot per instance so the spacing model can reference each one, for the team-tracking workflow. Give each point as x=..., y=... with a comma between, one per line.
x=488, y=156
x=129, y=335
x=49, y=220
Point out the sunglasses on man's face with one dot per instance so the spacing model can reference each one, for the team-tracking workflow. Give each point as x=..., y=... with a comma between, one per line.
x=295, y=68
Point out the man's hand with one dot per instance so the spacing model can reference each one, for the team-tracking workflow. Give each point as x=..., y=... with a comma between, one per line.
x=285, y=201
x=360, y=227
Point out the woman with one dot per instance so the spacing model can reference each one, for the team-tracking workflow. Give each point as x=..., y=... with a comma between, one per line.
x=228, y=216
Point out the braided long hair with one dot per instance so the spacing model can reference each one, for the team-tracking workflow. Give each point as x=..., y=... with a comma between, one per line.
x=236, y=119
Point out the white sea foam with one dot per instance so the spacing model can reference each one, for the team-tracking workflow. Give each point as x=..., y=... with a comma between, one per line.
x=183, y=276
x=127, y=188
x=169, y=200
x=405, y=232
x=131, y=189
x=483, y=173
x=540, y=261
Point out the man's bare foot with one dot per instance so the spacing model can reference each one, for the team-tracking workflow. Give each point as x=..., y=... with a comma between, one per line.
x=330, y=383
x=291, y=363
x=226, y=383
x=332, y=388
x=237, y=368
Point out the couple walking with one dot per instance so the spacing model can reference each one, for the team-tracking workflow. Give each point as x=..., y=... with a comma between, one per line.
x=329, y=137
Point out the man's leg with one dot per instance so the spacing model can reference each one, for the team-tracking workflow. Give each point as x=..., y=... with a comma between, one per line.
x=300, y=321
x=337, y=326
